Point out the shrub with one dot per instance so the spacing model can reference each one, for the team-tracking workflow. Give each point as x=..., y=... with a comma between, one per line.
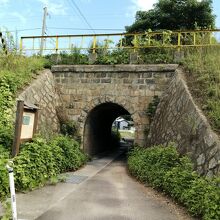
x=117, y=56
x=164, y=169
x=70, y=128
x=34, y=165
x=71, y=154
x=40, y=161
x=4, y=155
x=4, y=183
x=74, y=57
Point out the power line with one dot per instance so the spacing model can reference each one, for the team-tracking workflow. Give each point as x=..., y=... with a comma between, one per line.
x=86, y=29
x=31, y=29
x=15, y=19
x=82, y=15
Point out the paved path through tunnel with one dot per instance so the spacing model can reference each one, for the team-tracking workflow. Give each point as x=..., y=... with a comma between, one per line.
x=111, y=194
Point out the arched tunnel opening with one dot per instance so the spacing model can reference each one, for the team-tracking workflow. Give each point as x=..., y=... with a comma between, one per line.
x=98, y=136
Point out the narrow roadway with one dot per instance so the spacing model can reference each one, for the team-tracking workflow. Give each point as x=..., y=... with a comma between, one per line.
x=110, y=195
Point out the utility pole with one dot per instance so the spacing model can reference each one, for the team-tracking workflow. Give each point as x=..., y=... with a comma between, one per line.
x=43, y=31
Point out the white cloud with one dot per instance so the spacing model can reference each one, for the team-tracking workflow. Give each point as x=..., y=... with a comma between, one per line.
x=143, y=4
x=4, y=2
x=137, y=5
x=54, y=7
x=86, y=1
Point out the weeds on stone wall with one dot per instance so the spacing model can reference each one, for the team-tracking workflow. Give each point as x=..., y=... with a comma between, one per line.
x=164, y=169
x=150, y=112
x=152, y=107
x=68, y=127
x=15, y=72
x=204, y=80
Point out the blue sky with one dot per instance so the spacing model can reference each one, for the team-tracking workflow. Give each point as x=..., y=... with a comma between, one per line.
x=101, y=14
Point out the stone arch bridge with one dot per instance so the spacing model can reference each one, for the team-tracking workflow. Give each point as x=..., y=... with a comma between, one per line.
x=95, y=95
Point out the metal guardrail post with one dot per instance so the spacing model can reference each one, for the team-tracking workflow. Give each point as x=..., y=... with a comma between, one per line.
x=82, y=42
x=135, y=43
x=57, y=44
x=210, y=38
x=70, y=45
x=121, y=43
x=149, y=39
x=33, y=43
x=179, y=41
x=21, y=45
x=94, y=44
x=194, y=38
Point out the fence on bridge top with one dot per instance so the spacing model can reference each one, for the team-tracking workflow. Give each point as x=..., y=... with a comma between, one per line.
x=94, y=42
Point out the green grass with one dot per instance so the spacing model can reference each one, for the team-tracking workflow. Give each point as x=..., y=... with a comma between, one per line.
x=203, y=65
x=15, y=72
x=19, y=70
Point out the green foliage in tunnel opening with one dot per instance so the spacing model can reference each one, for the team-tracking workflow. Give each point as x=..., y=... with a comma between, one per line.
x=164, y=169
x=204, y=80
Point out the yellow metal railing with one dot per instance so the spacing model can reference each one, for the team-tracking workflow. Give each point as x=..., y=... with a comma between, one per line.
x=94, y=42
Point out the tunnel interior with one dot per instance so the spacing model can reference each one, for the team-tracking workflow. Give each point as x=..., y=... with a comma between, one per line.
x=98, y=136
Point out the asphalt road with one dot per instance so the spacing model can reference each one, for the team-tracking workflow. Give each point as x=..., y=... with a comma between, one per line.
x=110, y=195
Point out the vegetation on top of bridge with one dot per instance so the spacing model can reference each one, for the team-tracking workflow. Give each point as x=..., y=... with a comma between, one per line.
x=164, y=169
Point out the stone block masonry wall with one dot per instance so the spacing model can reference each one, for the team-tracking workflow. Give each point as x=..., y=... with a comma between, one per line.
x=179, y=120
x=84, y=87
x=43, y=93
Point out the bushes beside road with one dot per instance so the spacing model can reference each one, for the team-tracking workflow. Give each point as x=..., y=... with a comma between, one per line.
x=163, y=168
x=41, y=161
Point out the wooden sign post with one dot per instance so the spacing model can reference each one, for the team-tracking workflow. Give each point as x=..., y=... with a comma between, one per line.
x=25, y=124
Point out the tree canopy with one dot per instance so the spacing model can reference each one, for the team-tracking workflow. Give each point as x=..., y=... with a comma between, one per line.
x=175, y=15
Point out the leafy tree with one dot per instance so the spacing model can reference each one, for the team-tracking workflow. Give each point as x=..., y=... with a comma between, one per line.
x=175, y=15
